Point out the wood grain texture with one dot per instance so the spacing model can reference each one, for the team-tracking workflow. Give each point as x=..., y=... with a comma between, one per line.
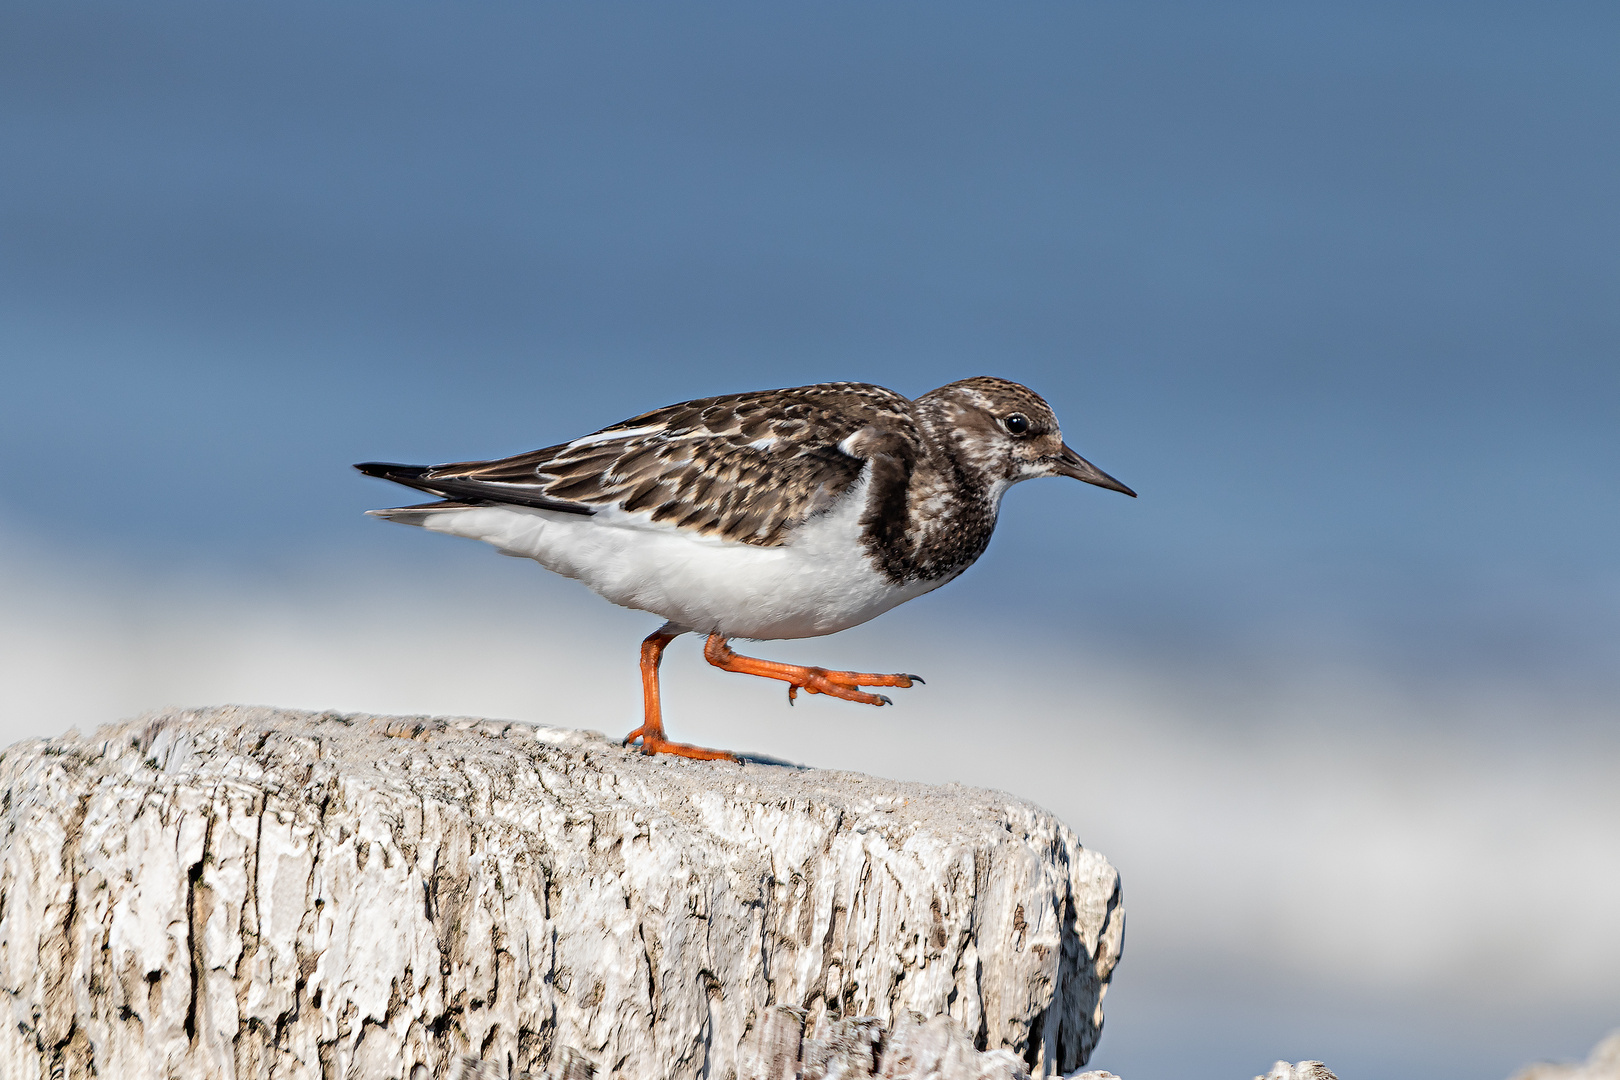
x=248, y=892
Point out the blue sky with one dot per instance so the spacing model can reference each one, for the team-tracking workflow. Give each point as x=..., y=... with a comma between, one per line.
x=1333, y=286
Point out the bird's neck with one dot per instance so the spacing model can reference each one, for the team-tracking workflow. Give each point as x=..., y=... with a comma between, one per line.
x=934, y=522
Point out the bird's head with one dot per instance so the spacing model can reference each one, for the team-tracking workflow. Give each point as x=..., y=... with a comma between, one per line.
x=1005, y=432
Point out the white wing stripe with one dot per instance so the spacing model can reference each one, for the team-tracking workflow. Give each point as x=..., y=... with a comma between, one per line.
x=612, y=436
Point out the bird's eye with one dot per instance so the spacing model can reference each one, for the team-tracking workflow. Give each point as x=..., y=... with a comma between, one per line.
x=1017, y=424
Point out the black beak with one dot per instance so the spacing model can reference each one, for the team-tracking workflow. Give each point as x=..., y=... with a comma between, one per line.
x=1072, y=464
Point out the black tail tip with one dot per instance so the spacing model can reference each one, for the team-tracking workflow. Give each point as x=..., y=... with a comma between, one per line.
x=389, y=470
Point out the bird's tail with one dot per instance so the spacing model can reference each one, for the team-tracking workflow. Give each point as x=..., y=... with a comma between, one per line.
x=411, y=476
x=461, y=492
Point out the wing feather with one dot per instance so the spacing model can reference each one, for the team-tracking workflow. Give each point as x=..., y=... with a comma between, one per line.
x=746, y=467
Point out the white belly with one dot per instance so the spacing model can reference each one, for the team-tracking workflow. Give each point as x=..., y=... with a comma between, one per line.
x=820, y=582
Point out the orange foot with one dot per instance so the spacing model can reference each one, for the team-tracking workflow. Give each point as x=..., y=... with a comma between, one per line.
x=653, y=742
x=651, y=732
x=812, y=680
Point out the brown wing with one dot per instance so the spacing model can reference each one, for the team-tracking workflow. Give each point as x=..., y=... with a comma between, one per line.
x=746, y=467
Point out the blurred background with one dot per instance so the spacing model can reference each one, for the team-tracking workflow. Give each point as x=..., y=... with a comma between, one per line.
x=1336, y=287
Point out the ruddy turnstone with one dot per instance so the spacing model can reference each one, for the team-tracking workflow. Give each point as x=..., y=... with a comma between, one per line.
x=779, y=514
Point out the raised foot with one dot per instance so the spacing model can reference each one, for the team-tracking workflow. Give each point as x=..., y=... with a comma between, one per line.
x=812, y=680
x=844, y=684
x=652, y=743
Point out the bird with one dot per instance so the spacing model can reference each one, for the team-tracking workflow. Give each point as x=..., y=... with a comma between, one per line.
x=770, y=515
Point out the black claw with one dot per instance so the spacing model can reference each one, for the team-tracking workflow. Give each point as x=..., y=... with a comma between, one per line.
x=918, y=679
x=883, y=699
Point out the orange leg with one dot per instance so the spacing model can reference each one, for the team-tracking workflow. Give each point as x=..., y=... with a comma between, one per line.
x=812, y=680
x=651, y=732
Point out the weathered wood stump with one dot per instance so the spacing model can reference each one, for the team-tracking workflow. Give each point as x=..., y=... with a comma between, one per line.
x=1603, y=1063
x=248, y=892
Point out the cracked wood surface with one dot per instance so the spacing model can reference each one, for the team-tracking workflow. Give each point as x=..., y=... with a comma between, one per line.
x=255, y=892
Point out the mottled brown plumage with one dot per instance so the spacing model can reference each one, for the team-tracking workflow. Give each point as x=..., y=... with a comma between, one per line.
x=752, y=467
